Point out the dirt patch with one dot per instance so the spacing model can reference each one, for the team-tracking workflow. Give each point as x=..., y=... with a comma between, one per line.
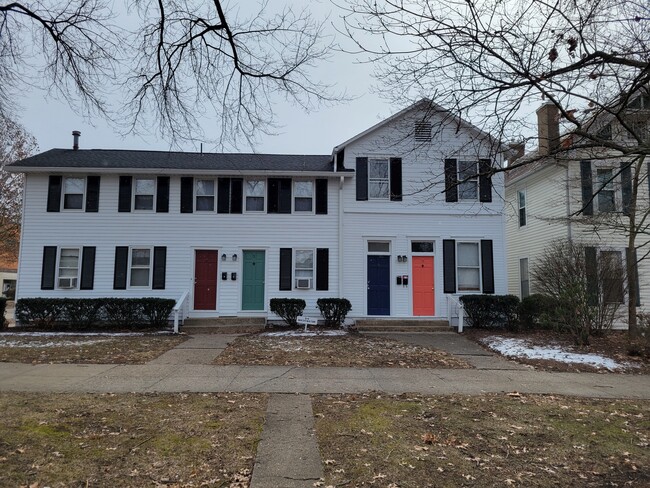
x=341, y=351
x=85, y=349
x=491, y=440
x=129, y=440
x=612, y=345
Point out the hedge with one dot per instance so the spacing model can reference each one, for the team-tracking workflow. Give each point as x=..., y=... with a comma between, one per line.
x=289, y=309
x=486, y=311
x=532, y=310
x=3, y=306
x=83, y=313
x=334, y=310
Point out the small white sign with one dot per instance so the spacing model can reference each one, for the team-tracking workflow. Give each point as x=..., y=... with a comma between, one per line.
x=306, y=321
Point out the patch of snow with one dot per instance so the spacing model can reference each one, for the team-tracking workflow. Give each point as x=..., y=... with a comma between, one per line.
x=302, y=333
x=38, y=345
x=521, y=348
x=80, y=334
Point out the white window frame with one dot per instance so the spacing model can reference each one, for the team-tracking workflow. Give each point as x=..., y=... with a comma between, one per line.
x=521, y=278
x=381, y=241
x=214, y=194
x=462, y=181
x=480, y=267
x=614, y=189
x=130, y=267
x=520, y=208
x=263, y=197
x=58, y=267
x=83, y=194
x=294, y=196
x=387, y=180
x=313, y=268
x=134, y=194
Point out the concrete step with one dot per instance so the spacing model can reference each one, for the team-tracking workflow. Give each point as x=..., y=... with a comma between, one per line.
x=402, y=325
x=223, y=325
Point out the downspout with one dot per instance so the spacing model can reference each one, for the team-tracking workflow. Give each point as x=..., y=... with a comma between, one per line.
x=20, y=244
x=568, y=206
x=340, y=250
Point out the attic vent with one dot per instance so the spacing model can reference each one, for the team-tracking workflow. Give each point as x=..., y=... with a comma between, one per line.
x=422, y=132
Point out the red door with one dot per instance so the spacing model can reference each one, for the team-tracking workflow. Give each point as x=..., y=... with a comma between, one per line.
x=423, y=289
x=205, y=280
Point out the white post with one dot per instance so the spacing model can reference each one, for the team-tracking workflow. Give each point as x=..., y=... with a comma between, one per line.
x=461, y=318
x=176, y=321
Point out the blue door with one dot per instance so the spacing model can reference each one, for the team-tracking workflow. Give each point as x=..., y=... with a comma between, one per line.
x=378, y=285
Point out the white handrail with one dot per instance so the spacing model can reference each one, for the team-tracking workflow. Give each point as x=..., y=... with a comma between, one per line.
x=180, y=307
x=458, y=305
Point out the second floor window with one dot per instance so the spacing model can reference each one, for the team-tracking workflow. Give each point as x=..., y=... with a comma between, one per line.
x=378, y=181
x=303, y=196
x=204, y=195
x=606, y=193
x=521, y=196
x=144, y=190
x=255, y=191
x=468, y=180
x=73, y=193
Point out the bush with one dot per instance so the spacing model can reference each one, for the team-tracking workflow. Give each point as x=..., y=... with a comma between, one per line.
x=486, y=311
x=289, y=309
x=3, y=306
x=533, y=309
x=94, y=312
x=334, y=310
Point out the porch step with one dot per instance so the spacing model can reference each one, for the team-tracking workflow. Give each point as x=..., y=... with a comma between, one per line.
x=223, y=325
x=402, y=325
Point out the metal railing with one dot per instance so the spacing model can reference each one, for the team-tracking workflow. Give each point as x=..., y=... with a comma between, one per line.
x=455, y=309
x=181, y=309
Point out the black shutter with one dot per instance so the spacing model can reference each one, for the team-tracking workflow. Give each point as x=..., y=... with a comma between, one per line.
x=87, y=268
x=236, y=195
x=321, y=196
x=121, y=264
x=587, y=188
x=591, y=264
x=223, y=195
x=487, y=266
x=49, y=268
x=124, y=202
x=162, y=194
x=322, y=269
x=54, y=193
x=272, y=195
x=449, y=265
x=362, y=179
x=92, y=193
x=485, y=180
x=451, y=180
x=626, y=186
x=630, y=255
x=284, y=196
x=285, y=268
x=187, y=194
x=396, y=179
x=159, y=267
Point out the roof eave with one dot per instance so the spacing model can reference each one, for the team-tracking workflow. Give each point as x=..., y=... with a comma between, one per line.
x=174, y=171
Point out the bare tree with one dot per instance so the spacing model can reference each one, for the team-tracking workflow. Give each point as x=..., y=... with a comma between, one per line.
x=489, y=61
x=15, y=144
x=184, y=63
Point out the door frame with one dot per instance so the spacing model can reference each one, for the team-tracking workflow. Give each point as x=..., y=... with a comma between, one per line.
x=241, y=273
x=434, y=254
x=389, y=253
x=193, y=250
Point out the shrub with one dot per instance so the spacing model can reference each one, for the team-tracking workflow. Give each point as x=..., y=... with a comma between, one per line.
x=42, y=312
x=3, y=306
x=156, y=311
x=334, y=310
x=288, y=309
x=123, y=312
x=486, y=311
x=533, y=309
x=82, y=312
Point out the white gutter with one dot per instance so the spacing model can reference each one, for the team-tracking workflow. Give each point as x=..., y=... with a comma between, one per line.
x=20, y=244
x=176, y=171
x=340, y=230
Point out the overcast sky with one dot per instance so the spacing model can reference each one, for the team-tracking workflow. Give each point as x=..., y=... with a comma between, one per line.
x=51, y=121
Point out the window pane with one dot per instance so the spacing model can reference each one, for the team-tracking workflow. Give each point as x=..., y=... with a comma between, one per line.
x=303, y=189
x=467, y=254
x=140, y=257
x=378, y=168
x=205, y=203
x=468, y=279
x=522, y=199
x=74, y=185
x=422, y=246
x=143, y=202
x=303, y=204
x=255, y=188
x=605, y=179
x=144, y=187
x=467, y=169
x=304, y=273
x=255, y=204
x=378, y=189
x=304, y=259
x=378, y=246
x=73, y=201
x=468, y=190
x=140, y=277
x=68, y=272
x=205, y=188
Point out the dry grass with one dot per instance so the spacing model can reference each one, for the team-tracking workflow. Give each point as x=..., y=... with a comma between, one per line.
x=492, y=440
x=85, y=349
x=342, y=351
x=129, y=440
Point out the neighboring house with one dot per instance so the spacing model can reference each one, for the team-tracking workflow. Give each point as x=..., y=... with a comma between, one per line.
x=8, y=274
x=579, y=195
x=371, y=222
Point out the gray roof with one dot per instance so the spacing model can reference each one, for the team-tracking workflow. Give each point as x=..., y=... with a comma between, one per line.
x=161, y=160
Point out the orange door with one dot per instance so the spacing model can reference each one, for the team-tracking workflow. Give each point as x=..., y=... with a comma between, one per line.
x=423, y=289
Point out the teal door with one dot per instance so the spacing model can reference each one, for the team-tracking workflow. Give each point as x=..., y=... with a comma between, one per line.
x=253, y=281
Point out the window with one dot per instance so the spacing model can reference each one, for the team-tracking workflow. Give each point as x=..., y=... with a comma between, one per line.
x=378, y=182
x=523, y=277
x=73, y=193
x=605, y=132
x=521, y=196
x=303, y=196
x=612, y=281
x=144, y=190
x=140, y=267
x=468, y=266
x=422, y=246
x=606, y=193
x=422, y=132
x=255, y=191
x=205, y=195
x=637, y=128
x=304, y=270
x=68, y=268
x=378, y=246
x=467, y=180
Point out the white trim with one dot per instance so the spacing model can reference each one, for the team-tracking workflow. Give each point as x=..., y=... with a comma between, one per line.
x=83, y=194
x=480, y=268
x=313, y=269
x=264, y=197
x=179, y=171
x=58, y=267
x=376, y=159
x=129, y=266
x=133, y=194
x=196, y=194
x=294, y=196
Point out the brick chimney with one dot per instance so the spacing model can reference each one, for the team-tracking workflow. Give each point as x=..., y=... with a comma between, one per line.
x=548, y=128
x=75, y=139
x=516, y=150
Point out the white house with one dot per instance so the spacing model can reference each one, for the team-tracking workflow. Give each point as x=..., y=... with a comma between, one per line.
x=371, y=222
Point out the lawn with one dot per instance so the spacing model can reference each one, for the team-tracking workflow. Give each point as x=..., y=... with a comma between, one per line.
x=490, y=440
x=129, y=440
x=39, y=348
x=339, y=350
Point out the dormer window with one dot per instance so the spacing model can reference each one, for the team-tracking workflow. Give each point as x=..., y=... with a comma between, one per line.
x=422, y=132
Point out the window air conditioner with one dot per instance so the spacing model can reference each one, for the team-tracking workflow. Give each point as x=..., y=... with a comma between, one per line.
x=67, y=282
x=303, y=283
